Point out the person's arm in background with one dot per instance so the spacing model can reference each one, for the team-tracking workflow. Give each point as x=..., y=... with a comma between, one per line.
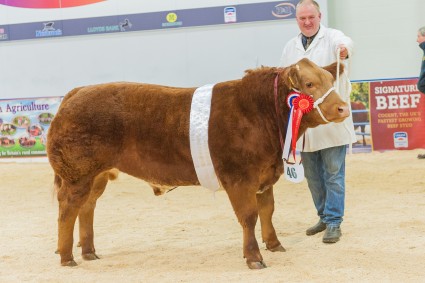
x=421, y=84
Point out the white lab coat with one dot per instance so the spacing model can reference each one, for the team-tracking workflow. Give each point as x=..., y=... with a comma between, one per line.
x=322, y=51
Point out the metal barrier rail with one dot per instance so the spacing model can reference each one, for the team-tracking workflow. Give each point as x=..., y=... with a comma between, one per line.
x=361, y=123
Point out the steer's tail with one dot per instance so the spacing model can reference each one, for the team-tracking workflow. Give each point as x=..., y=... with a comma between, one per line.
x=57, y=183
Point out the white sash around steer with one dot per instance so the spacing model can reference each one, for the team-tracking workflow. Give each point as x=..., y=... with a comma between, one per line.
x=199, y=117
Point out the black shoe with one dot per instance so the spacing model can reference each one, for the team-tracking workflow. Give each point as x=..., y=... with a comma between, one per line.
x=319, y=227
x=332, y=234
x=421, y=156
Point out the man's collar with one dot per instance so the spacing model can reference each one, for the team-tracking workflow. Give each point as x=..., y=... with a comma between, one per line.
x=313, y=36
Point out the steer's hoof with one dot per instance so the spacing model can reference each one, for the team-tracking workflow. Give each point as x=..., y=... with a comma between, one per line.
x=277, y=249
x=70, y=263
x=256, y=264
x=90, y=256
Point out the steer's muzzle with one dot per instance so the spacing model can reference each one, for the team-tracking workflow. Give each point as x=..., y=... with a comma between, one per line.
x=343, y=112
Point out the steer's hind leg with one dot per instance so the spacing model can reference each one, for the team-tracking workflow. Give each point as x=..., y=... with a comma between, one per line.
x=71, y=198
x=245, y=206
x=265, y=202
x=86, y=217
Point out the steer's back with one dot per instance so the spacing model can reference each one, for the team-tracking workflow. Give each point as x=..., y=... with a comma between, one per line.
x=140, y=129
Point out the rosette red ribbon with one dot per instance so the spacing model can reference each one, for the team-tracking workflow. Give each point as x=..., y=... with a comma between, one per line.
x=302, y=105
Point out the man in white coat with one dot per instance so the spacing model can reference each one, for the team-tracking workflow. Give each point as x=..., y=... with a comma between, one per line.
x=325, y=146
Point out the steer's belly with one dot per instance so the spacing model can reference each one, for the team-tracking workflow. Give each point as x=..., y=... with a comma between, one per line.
x=158, y=169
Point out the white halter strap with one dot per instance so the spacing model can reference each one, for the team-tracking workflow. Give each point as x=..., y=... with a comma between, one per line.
x=320, y=100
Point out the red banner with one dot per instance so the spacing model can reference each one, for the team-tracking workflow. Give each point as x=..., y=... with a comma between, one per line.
x=396, y=115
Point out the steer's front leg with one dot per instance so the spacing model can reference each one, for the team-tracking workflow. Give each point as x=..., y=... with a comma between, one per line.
x=265, y=202
x=245, y=206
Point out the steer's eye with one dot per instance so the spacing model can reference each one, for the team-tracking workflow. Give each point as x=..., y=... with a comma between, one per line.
x=309, y=85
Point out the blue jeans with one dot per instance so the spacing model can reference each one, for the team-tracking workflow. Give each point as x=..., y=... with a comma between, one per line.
x=325, y=174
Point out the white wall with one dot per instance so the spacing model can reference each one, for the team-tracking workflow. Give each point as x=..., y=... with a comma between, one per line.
x=175, y=57
x=384, y=34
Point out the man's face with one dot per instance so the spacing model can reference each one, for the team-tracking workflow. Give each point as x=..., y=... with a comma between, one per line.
x=421, y=38
x=308, y=19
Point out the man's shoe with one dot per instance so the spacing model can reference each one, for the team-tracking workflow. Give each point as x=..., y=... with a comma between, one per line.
x=319, y=227
x=421, y=156
x=332, y=234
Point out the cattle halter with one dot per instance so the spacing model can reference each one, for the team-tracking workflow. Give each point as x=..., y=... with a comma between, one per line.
x=315, y=104
x=321, y=99
x=318, y=101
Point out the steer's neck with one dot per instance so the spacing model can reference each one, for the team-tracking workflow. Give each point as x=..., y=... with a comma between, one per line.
x=259, y=92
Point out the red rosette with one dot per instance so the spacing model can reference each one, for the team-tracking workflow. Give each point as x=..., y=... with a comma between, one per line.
x=304, y=103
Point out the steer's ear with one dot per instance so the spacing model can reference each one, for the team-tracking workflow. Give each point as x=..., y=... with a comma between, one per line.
x=290, y=75
x=333, y=67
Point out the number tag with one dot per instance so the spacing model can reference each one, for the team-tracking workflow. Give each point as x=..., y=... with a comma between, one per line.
x=293, y=172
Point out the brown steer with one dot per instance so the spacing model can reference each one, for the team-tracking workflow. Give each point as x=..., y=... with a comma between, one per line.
x=143, y=130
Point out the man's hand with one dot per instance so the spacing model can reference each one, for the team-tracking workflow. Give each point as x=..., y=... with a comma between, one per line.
x=343, y=53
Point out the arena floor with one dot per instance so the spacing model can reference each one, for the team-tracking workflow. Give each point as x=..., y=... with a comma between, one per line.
x=191, y=235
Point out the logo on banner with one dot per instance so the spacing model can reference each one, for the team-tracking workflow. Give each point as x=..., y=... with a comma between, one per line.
x=126, y=24
x=172, y=21
x=48, y=30
x=230, y=15
x=47, y=4
x=283, y=10
x=400, y=140
x=122, y=26
x=3, y=34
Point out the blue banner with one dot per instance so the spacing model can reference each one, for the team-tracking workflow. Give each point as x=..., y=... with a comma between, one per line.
x=269, y=11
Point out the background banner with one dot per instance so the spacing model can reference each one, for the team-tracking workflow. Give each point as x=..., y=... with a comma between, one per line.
x=205, y=16
x=24, y=125
x=388, y=114
x=396, y=112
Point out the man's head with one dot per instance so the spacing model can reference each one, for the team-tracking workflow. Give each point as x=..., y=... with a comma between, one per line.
x=308, y=17
x=421, y=35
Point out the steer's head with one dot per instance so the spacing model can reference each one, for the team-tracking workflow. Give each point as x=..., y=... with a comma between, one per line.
x=308, y=78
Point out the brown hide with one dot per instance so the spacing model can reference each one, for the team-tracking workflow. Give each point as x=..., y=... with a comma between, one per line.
x=143, y=130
